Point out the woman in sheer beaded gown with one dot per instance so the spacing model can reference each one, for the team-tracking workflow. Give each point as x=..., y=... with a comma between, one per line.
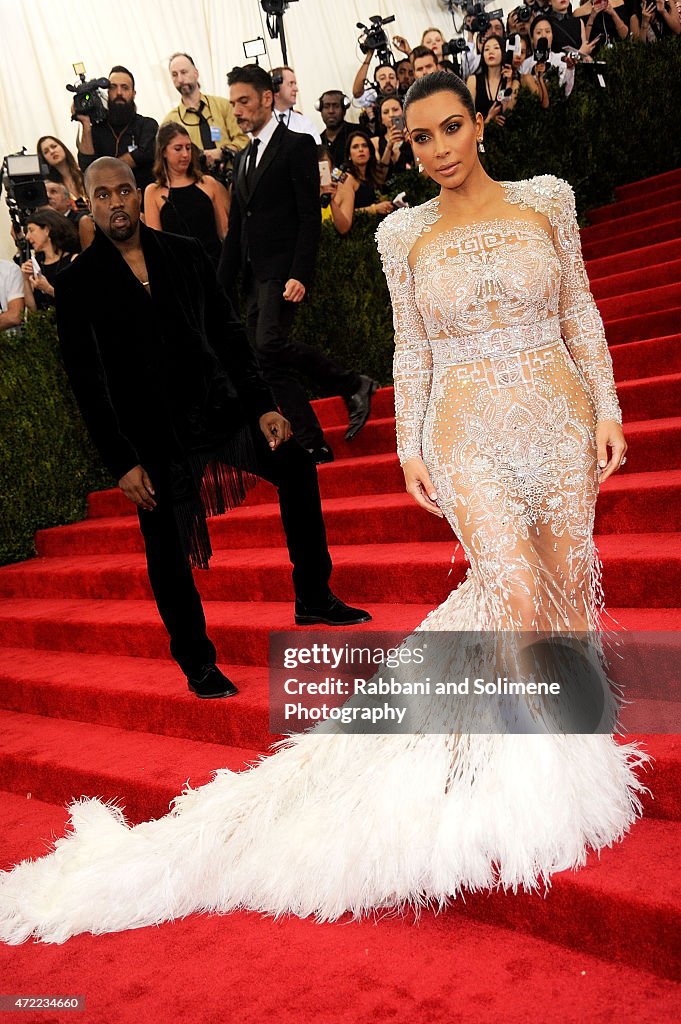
x=506, y=418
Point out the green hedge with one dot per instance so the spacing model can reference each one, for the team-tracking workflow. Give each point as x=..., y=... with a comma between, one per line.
x=597, y=139
x=47, y=463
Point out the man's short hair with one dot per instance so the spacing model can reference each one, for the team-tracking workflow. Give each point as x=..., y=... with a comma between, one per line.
x=251, y=74
x=111, y=162
x=381, y=66
x=422, y=51
x=181, y=54
x=120, y=70
x=280, y=71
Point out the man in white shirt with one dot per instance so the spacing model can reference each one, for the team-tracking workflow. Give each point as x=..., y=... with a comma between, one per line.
x=11, y=295
x=285, y=95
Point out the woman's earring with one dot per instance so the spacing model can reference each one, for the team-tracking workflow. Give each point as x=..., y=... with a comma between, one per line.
x=481, y=146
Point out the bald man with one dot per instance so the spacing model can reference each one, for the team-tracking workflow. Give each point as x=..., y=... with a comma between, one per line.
x=174, y=401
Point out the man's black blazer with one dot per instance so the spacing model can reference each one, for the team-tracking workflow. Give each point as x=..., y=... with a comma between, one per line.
x=158, y=381
x=276, y=224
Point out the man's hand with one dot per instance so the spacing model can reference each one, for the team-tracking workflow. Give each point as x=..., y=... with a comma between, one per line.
x=212, y=156
x=137, y=486
x=609, y=434
x=294, y=291
x=275, y=428
x=419, y=485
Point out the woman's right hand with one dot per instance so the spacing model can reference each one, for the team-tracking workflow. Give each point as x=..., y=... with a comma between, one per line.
x=383, y=206
x=27, y=268
x=420, y=486
x=402, y=44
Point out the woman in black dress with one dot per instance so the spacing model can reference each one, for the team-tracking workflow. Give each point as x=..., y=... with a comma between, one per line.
x=490, y=82
x=359, y=193
x=54, y=241
x=390, y=143
x=182, y=200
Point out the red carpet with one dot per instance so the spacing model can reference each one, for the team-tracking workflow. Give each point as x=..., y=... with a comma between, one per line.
x=90, y=703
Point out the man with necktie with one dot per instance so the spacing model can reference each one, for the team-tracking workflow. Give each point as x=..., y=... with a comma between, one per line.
x=274, y=231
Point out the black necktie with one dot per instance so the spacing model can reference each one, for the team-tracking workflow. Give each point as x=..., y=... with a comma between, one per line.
x=250, y=163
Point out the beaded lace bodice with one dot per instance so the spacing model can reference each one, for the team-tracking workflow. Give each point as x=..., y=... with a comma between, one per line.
x=490, y=289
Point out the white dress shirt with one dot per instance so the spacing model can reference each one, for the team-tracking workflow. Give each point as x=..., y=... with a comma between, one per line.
x=296, y=122
x=264, y=137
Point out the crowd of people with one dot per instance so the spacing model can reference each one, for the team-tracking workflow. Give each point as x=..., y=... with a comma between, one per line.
x=183, y=168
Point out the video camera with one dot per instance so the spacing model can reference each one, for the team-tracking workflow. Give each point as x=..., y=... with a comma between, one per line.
x=480, y=18
x=87, y=98
x=23, y=175
x=222, y=169
x=376, y=39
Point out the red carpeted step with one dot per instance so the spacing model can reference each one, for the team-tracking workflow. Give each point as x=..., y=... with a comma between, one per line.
x=140, y=694
x=657, y=323
x=639, y=358
x=633, y=259
x=650, y=398
x=649, y=185
x=390, y=967
x=662, y=298
x=636, y=204
x=639, y=279
x=594, y=249
x=55, y=760
x=629, y=501
x=649, y=220
x=618, y=898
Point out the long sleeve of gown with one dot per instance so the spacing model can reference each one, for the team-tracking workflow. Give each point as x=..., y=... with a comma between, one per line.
x=580, y=321
x=412, y=361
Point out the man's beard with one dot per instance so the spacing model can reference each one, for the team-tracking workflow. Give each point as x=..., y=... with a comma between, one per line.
x=123, y=232
x=121, y=112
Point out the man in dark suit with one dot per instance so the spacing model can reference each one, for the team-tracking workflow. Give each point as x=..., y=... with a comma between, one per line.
x=170, y=392
x=274, y=230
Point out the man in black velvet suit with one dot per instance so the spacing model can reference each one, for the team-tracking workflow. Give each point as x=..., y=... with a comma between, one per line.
x=274, y=230
x=170, y=392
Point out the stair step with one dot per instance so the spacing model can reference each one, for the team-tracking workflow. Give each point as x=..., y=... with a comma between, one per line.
x=57, y=760
x=631, y=359
x=648, y=185
x=648, y=219
x=636, y=238
x=633, y=281
x=644, y=257
x=635, y=204
x=657, y=300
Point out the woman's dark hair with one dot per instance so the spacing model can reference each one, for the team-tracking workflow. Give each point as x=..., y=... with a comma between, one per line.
x=535, y=22
x=381, y=129
x=371, y=172
x=165, y=135
x=63, y=235
x=440, y=81
x=483, y=63
x=73, y=167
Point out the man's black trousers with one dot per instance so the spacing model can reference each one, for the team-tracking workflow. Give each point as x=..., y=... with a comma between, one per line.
x=269, y=318
x=294, y=474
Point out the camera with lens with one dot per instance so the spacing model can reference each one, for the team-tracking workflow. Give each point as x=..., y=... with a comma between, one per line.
x=23, y=175
x=454, y=47
x=222, y=169
x=375, y=38
x=524, y=13
x=480, y=18
x=87, y=98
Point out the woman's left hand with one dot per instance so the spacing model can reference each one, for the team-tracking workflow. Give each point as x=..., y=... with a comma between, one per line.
x=609, y=435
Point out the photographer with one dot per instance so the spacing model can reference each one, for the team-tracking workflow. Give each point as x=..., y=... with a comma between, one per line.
x=533, y=71
x=11, y=295
x=424, y=61
x=285, y=95
x=62, y=166
x=657, y=19
x=518, y=22
x=209, y=120
x=58, y=199
x=393, y=152
x=55, y=240
x=567, y=29
x=405, y=75
x=182, y=200
x=124, y=134
x=384, y=77
x=332, y=106
x=328, y=189
x=359, y=193
x=607, y=20
x=491, y=82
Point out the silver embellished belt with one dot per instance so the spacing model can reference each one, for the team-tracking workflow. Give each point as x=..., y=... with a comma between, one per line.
x=500, y=344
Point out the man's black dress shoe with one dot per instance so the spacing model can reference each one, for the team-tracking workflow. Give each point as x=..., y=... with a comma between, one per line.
x=333, y=612
x=210, y=682
x=321, y=454
x=359, y=406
